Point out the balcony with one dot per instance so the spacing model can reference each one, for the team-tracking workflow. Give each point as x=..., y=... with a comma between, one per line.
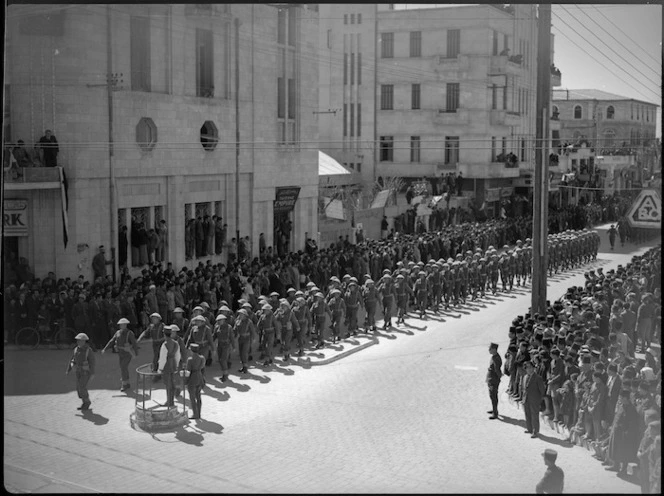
x=31, y=178
x=449, y=117
x=555, y=76
x=504, y=65
x=448, y=66
x=206, y=10
x=491, y=170
x=554, y=123
x=504, y=118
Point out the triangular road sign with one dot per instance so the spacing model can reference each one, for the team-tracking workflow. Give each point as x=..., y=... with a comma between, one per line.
x=646, y=211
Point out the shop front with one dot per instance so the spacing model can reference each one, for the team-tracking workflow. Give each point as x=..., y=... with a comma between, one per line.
x=284, y=205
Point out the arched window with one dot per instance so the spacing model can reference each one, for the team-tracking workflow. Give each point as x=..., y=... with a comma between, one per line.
x=610, y=112
x=578, y=113
x=609, y=136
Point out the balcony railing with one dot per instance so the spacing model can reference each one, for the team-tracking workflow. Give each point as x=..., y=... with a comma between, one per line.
x=32, y=178
x=504, y=64
x=504, y=118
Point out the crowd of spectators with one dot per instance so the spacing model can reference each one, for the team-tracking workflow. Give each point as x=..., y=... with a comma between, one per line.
x=584, y=348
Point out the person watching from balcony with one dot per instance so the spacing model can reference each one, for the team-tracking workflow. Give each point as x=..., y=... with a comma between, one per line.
x=21, y=155
x=48, y=146
x=506, y=51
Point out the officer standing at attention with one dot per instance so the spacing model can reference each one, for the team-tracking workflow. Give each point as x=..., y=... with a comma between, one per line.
x=493, y=378
x=169, y=359
x=554, y=477
x=83, y=363
x=194, y=373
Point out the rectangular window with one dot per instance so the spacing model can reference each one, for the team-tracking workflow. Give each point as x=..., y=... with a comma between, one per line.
x=415, y=96
x=494, y=49
x=345, y=115
x=494, y=97
x=359, y=69
x=352, y=119
x=415, y=149
x=329, y=38
x=291, y=98
x=504, y=145
x=523, y=150
x=453, y=43
x=345, y=18
x=386, y=148
x=493, y=148
x=506, y=42
x=345, y=68
x=281, y=26
x=352, y=68
x=359, y=119
x=505, y=97
x=204, y=60
x=416, y=43
x=359, y=18
x=386, y=97
x=452, y=97
x=451, y=150
x=352, y=18
x=140, y=53
x=281, y=98
x=387, y=45
x=359, y=167
x=292, y=22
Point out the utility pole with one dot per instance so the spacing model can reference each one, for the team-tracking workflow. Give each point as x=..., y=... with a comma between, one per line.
x=541, y=186
x=237, y=130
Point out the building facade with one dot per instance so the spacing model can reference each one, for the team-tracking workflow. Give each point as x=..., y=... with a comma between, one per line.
x=454, y=91
x=142, y=100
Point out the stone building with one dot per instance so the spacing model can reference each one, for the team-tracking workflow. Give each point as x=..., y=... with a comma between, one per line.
x=454, y=91
x=142, y=100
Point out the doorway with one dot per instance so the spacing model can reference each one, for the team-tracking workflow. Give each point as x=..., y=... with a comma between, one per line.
x=283, y=232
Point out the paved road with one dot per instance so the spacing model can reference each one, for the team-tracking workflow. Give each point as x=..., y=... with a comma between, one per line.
x=405, y=415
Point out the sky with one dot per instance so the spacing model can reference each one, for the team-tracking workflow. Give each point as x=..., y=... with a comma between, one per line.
x=610, y=47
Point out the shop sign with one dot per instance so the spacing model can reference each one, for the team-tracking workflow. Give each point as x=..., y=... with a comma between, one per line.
x=286, y=198
x=15, y=218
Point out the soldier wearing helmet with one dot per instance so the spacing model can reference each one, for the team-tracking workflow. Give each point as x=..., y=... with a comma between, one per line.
x=319, y=309
x=124, y=344
x=370, y=300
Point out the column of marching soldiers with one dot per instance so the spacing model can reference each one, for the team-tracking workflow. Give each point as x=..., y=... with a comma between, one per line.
x=317, y=315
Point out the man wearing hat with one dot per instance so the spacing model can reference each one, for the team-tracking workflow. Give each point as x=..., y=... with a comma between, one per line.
x=223, y=334
x=353, y=301
x=338, y=310
x=201, y=333
x=245, y=330
x=533, y=392
x=169, y=360
x=554, y=477
x=194, y=373
x=156, y=332
x=124, y=343
x=83, y=363
x=370, y=299
x=286, y=320
x=493, y=378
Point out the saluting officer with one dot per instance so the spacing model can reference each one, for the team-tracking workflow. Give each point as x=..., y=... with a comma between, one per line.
x=124, y=343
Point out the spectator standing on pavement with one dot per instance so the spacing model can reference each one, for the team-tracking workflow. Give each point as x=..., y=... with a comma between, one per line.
x=99, y=263
x=383, y=227
x=493, y=379
x=532, y=398
x=83, y=363
x=612, y=236
x=124, y=343
x=554, y=477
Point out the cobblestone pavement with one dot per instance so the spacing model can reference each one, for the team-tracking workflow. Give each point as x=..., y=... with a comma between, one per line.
x=407, y=413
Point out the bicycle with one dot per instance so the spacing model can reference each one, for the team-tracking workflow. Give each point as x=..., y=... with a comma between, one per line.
x=30, y=337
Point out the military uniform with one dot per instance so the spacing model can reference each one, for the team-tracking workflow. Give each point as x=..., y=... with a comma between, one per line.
x=318, y=311
x=285, y=318
x=83, y=364
x=156, y=333
x=223, y=334
x=245, y=330
x=338, y=309
x=124, y=342
x=493, y=376
x=169, y=359
x=195, y=372
x=352, y=301
x=370, y=298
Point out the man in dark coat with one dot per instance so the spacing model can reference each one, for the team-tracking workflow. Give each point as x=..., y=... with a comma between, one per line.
x=49, y=148
x=99, y=263
x=493, y=378
x=554, y=477
x=532, y=398
x=623, y=441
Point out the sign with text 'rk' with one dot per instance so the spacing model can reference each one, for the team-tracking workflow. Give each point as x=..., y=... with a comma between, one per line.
x=15, y=218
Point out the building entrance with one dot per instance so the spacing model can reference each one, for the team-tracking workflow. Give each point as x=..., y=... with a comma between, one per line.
x=283, y=232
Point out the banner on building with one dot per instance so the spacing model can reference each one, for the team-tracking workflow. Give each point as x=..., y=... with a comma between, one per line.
x=381, y=199
x=285, y=199
x=334, y=209
x=492, y=194
x=15, y=220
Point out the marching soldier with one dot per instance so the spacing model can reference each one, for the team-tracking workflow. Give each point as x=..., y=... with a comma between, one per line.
x=303, y=317
x=194, y=372
x=318, y=311
x=223, y=334
x=402, y=291
x=435, y=283
x=286, y=320
x=201, y=334
x=83, y=363
x=370, y=298
x=124, y=342
x=338, y=308
x=352, y=300
x=266, y=330
x=386, y=290
x=245, y=331
x=421, y=293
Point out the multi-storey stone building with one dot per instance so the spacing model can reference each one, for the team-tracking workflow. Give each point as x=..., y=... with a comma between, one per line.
x=423, y=92
x=142, y=100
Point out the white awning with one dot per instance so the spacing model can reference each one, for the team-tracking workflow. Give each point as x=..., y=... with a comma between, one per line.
x=327, y=166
